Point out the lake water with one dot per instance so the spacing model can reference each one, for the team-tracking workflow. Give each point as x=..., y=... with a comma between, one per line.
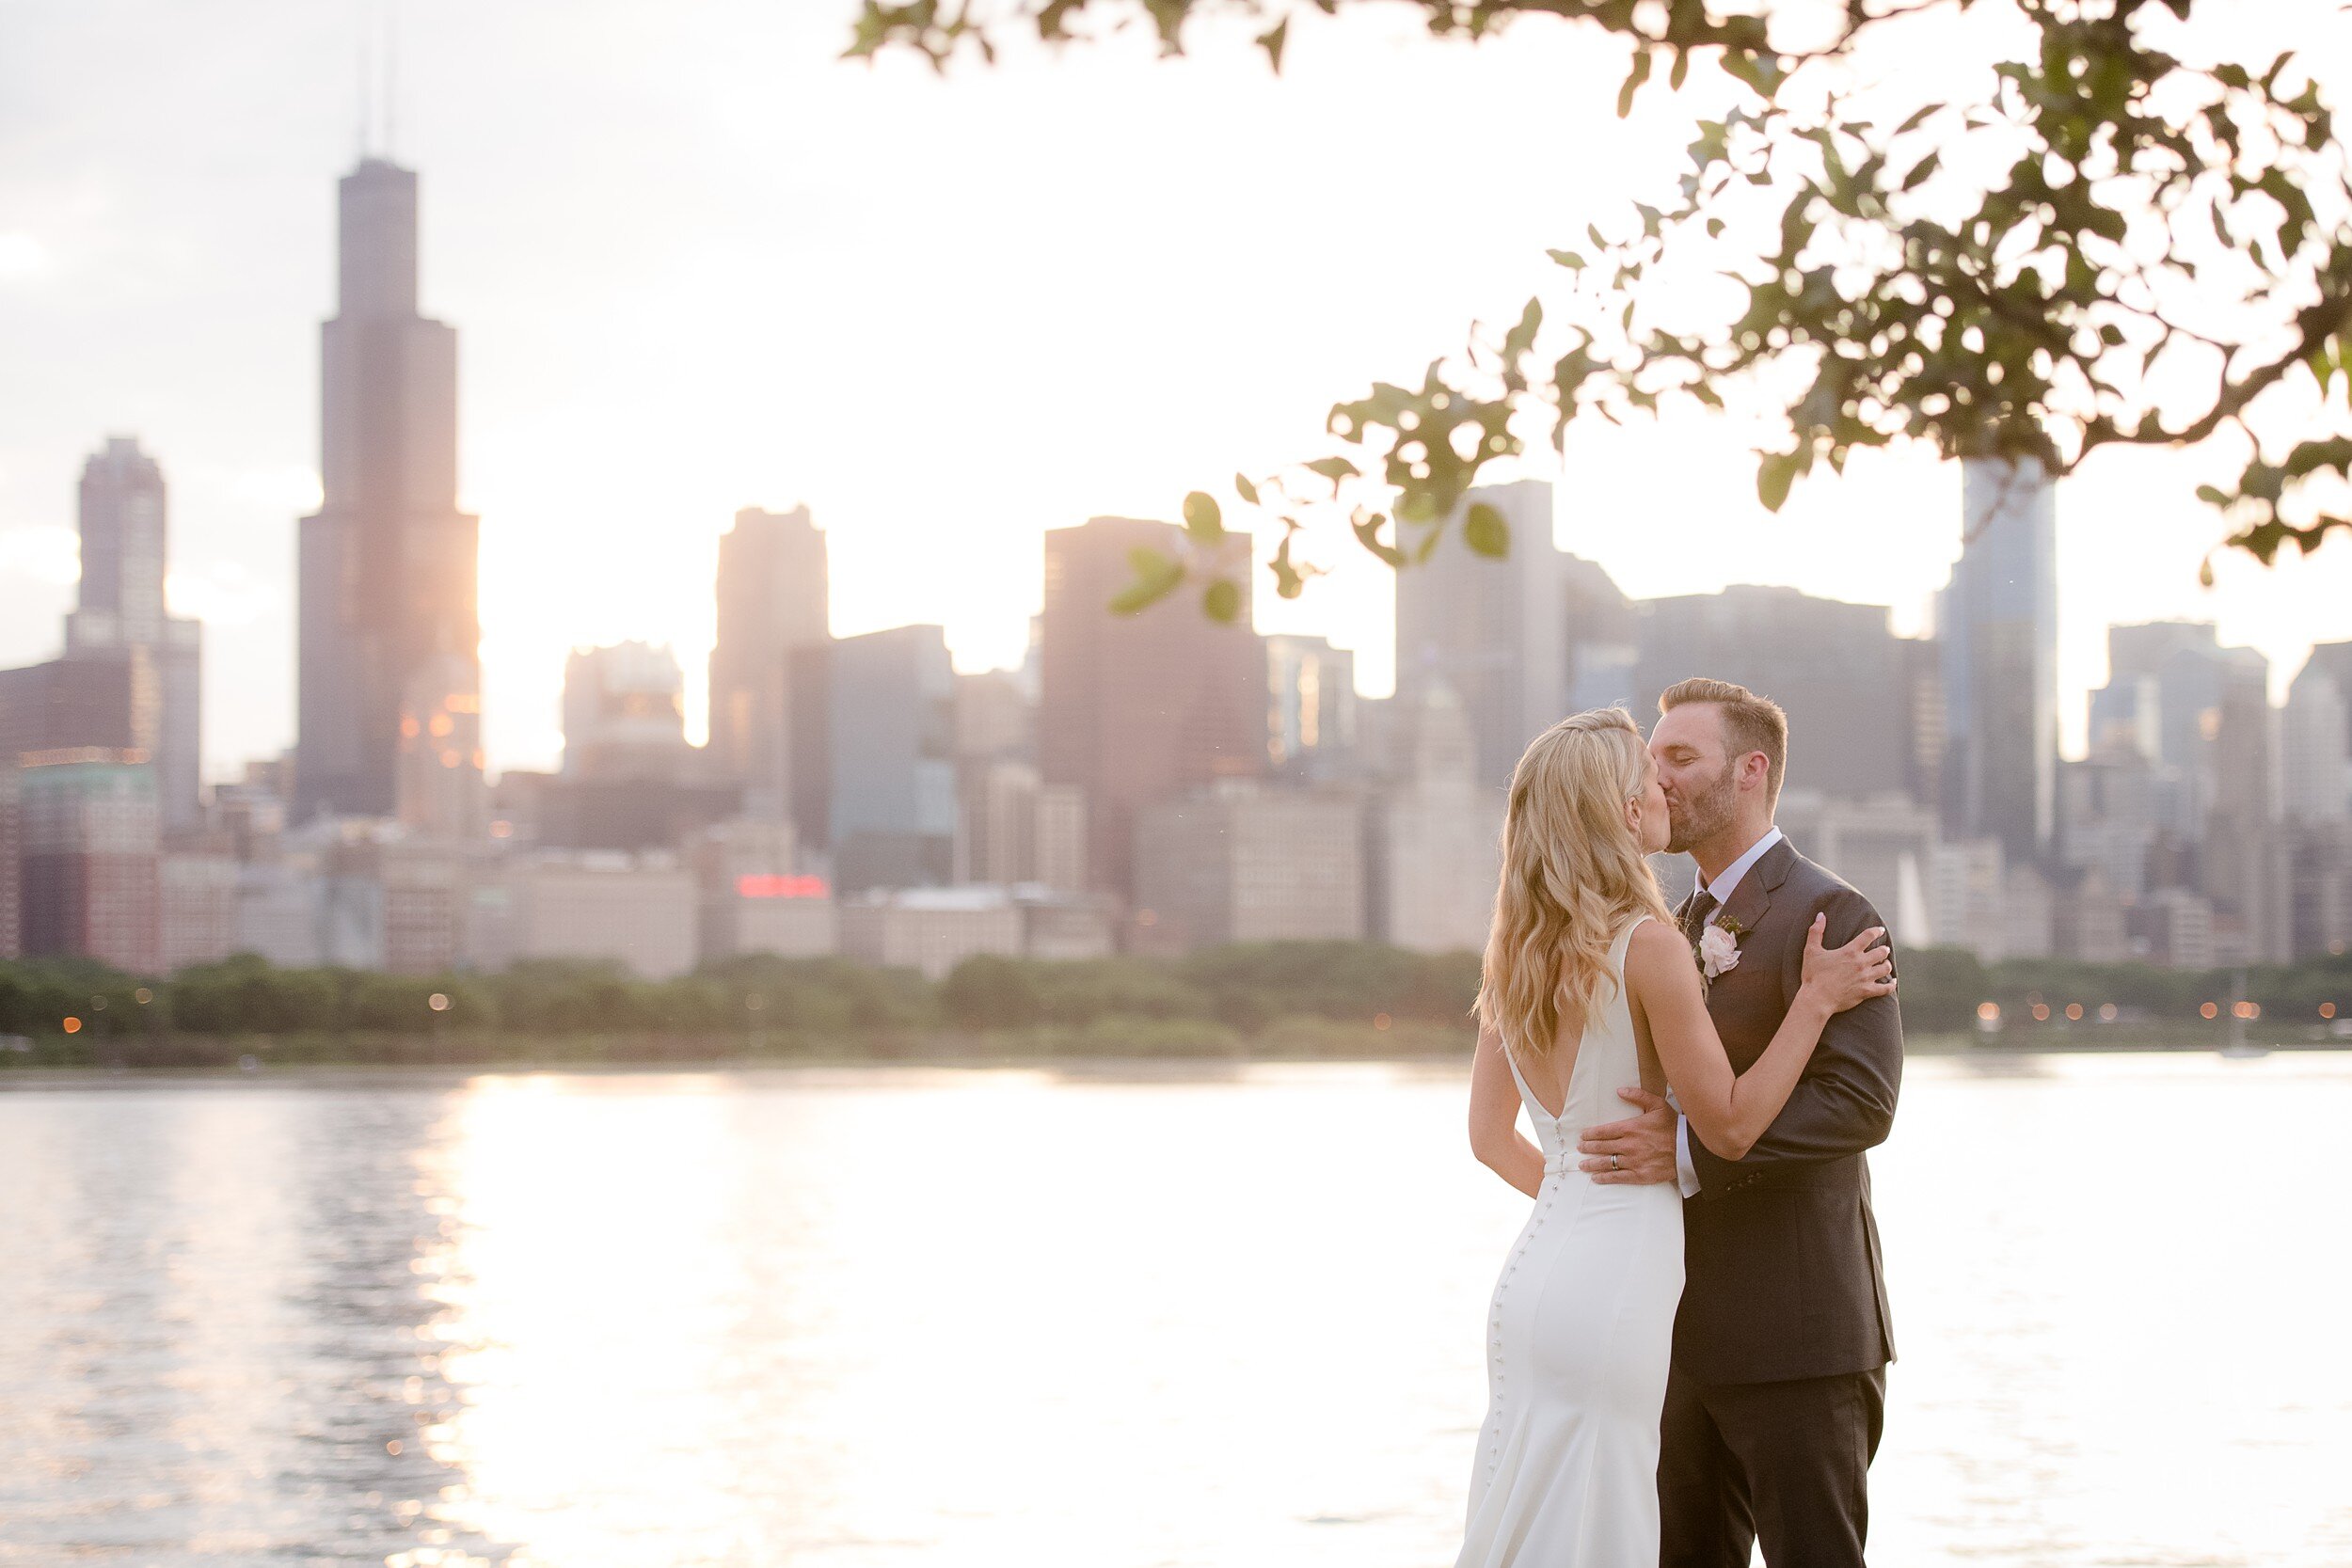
x=1187, y=1318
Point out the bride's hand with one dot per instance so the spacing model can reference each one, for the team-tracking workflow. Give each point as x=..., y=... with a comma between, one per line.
x=1846, y=976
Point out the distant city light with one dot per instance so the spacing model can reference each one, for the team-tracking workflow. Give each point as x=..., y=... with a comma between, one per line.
x=1380, y=1021
x=2042, y=1012
x=73, y=1025
x=2327, y=1009
x=2210, y=1010
x=2106, y=1013
x=1988, y=1012
x=2073, y=1012
x=769, y=885
x=439, y=1002
x=142, y=996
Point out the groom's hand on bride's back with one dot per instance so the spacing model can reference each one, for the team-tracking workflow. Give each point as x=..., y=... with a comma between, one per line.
x=1638, y=1152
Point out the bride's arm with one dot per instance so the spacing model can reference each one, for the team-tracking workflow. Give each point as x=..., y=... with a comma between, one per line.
x=1494, y=1118
x=1729, y=1113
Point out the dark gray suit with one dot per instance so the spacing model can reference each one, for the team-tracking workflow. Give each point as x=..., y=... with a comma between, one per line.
x=1774, y=1400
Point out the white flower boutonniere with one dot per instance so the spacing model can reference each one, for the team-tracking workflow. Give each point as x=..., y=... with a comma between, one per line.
x=1719, y=951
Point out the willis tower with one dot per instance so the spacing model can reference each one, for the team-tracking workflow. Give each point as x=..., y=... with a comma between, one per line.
x=389, y=657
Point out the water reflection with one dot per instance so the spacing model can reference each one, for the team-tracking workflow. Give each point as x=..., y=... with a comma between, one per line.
x=1148, y=1315
x=219, y=1350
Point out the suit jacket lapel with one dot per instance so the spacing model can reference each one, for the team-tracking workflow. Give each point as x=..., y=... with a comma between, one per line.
x=1754, y=895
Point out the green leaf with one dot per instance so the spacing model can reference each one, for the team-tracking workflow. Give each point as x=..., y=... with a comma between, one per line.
x=1221, y=599
x=1775, y=472
x=1633, y=80
x=1486, y=531
x=1334, y=470
x=1918, y=117
x=1367, y=528
x=1272, y=43
x=1522, y=338
x=1568, y=259
x=1245, y=490
x=1157, y=577
x=1202, y=520
x=1922, y=170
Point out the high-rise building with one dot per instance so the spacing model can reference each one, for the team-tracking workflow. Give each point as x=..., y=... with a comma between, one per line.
x=1237, y=862
x=1883, y=845
x=120, y=614
x=1997, y=622
x=2109, y=814
x=2168, y=683
x=11, y=861
x=196, y=900
x=1310, y=707
x=89, y=860
x=892, y=741
x=1844, y=678
x=2317, y=737
x=995, y=717
x=773, y=599
x=623, y=712
x=2243, y=856
x=1493, y=629
x=390, y=645
x=1139, y=708
x=1436, y=835
x=1604, y=632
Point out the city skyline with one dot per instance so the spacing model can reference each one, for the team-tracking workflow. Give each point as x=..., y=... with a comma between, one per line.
x=935, y=513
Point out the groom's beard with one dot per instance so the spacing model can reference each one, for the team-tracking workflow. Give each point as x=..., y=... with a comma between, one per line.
x=1701, y=816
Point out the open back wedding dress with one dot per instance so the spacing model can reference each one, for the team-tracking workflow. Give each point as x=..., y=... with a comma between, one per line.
x=1579, y=1336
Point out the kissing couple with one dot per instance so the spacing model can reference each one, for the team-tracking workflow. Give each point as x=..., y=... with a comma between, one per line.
x=1686, y=1348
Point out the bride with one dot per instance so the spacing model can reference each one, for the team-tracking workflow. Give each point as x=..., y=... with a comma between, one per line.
x=1588, y=984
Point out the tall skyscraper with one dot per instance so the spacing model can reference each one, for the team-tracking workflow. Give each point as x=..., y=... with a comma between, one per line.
x=1493, y=629
x=120, y=616
x=2318, y=738
x=1997, y=621
x=1139, y=708
x=773, y=599
x=390, y=676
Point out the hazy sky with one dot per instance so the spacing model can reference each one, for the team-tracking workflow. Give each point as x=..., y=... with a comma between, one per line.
x=696, y=263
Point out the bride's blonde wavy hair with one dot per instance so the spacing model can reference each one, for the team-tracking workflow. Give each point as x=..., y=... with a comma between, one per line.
x=1573, y=873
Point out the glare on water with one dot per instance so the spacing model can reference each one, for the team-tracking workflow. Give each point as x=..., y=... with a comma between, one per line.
x=1134, y=1318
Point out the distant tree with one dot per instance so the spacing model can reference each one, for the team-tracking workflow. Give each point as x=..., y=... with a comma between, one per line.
x=245, y=994
x=989, y=991
x=2127, y=237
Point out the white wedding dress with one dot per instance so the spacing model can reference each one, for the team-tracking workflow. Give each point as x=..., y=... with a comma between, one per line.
x=1578, y=1339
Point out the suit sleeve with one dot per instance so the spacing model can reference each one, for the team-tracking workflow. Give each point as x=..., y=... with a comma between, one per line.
x=1845, y=1103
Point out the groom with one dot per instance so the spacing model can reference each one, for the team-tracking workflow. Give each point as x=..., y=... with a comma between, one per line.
x=1778, y=1384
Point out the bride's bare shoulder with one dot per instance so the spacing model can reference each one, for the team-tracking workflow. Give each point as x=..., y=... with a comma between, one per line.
x=1656, y=952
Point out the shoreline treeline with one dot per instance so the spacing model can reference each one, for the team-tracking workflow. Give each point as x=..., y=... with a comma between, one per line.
x=1331, y=998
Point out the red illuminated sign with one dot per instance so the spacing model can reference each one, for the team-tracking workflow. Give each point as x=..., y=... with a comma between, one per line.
x=769, y=885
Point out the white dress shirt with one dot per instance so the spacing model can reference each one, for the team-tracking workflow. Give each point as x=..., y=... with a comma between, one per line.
x=1721, y=889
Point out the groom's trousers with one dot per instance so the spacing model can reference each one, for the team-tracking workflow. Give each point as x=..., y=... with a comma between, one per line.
x=1783, y=1464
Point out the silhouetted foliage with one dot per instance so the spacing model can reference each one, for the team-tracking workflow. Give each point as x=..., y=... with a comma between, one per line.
x=2123, y=236
x=1300, y=998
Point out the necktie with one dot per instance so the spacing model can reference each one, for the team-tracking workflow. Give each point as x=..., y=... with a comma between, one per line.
x=1695, y=917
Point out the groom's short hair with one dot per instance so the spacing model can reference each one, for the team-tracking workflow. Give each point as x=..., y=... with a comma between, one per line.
x=1751, y=724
